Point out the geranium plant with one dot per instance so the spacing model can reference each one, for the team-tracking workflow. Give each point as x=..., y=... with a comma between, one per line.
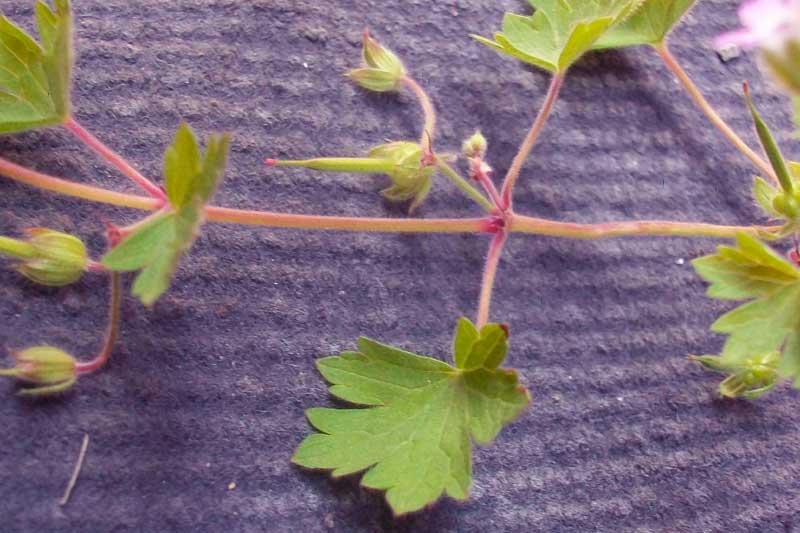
x=413, y=419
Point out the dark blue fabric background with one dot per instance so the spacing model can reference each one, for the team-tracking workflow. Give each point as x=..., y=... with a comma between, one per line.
x=210, y=387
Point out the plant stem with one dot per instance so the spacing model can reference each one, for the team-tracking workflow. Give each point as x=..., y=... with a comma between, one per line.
x=694, y=92
x=517, y=223
x=112, y=332
x=429, y=129
x=482, y=176
x=530, y=140
x=77, y=190
x=465, y=186
x=389, y=225
x=16, y=248
x=489, y=275
x=540, y=226
x=115, y=159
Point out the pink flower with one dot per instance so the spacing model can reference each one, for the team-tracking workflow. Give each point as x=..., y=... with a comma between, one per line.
x=768, y=24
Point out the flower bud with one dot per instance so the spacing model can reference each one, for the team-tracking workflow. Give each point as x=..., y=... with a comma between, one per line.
x=749, y=378
x=60, y=259
x=53, y=369
x=410, y=178
x=475, y=146
x=786, y=205
x=382, y=70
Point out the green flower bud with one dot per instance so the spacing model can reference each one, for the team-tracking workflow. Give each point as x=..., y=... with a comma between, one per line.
x=375, y=80
x=382, y=70
x=749, y=378
x=410, y=178
x=379, y=57
x=475, y=146
x=787, y=205
x=53, y=369
x=59, y=259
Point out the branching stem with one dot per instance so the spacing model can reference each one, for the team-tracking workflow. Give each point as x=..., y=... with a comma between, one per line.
x=516, y=223
x=694, y=92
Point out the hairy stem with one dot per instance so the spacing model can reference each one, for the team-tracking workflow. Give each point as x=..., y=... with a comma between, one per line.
x=465, y=186
x=489, y=275
x=694, y=92
x=481, y=175
x=77, y=190
x=115, y=159
x=112, y=332
x=429, y=128
x=387, y=225
x=517, y=223
x=530, y=140
x=540, y=226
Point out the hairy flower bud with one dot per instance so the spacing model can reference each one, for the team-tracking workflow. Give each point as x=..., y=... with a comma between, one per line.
x=382, y=70
x=749, y=378
x=59, y=259
x=410, y=177
x=52, y=369
x=475, y=146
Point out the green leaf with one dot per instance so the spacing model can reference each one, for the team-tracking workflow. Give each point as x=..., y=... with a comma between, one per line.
x=35, y=79
x=156, y=245
x=649, y=24
x=559, y=32
x=414, y=439
x=138, y=249
x=770, y=146
x=473, y=349
x=768, y=322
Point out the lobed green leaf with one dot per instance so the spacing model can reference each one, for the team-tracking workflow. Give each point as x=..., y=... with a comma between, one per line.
x=650, y=23
x=766, y=324
x=559, y=32
x=156, y=246
x=415, y=439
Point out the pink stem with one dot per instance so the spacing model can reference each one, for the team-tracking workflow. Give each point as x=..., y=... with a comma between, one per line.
x=115, y=159
x=489, y=275
x=530, y=140
x=112, y=332
x=482, y=177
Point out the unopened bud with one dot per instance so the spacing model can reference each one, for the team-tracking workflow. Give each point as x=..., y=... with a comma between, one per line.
x=410, y=178
x=59, y=259
x=475, y=146
x=375, y=80
x=749, y=378
x=52, y=369
x=382, y=70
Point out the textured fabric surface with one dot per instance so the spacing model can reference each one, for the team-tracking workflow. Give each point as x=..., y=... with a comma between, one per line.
x=210, y=387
